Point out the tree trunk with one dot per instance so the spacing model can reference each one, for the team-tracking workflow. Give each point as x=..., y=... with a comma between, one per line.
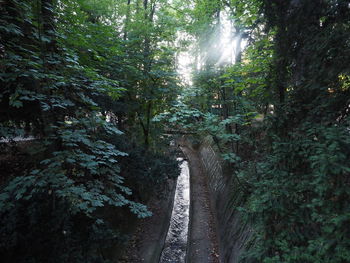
x=127, y=19
x=238, y=48
x=149, y=9
x=148, y=123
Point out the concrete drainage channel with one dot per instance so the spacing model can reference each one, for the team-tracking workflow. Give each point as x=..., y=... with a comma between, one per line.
x=191, y=237
x=214, y=224
x=175, y=245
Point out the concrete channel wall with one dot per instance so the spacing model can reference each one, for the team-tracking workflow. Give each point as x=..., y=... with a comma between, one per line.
x=226, y=195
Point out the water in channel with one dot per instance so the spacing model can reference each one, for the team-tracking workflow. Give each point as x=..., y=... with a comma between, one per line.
x=174, y=250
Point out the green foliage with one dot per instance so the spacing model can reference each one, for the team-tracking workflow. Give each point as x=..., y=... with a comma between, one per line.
x=280, y=119
x=154, y=179
x=302, y=186
x=180, y=117
x=64, y=73
x=297, y=203
x=85, y=79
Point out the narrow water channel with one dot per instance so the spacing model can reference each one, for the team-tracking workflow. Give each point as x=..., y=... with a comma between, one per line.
x=176, y=241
